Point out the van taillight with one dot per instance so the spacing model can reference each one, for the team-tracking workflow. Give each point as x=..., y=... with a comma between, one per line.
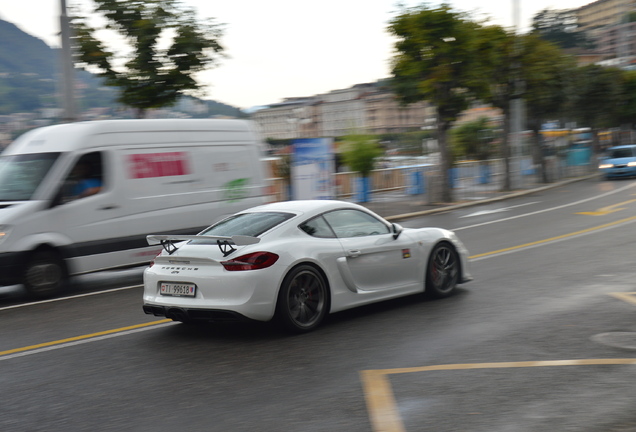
x=153, y=260
x=252, y=261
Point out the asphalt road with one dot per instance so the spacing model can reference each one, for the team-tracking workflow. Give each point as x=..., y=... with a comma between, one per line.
x=543, y=339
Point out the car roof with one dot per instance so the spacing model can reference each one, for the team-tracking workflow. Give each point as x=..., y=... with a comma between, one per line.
x=307, y=207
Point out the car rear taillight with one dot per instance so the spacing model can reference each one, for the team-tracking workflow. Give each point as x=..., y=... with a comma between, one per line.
x=252, y=261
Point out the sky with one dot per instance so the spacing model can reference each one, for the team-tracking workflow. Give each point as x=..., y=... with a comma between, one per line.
x=290, y=48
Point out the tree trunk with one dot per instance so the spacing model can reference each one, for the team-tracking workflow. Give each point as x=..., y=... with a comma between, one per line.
x=538, y=155
x=445, y=163
x=505, y=151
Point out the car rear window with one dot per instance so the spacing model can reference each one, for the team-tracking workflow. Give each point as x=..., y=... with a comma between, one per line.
x=248, y=224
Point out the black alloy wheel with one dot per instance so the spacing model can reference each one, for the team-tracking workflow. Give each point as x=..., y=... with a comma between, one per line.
x=442, y=273
x=303, y=300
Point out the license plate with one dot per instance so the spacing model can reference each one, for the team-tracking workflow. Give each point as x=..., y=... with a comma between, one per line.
x=177, y=289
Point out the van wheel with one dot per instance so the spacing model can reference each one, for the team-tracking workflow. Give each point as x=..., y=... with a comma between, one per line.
x=44, y=274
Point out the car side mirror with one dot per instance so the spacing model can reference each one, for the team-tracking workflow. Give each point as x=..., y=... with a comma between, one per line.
x=397, y=230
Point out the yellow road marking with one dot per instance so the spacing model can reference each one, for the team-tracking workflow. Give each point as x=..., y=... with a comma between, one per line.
x=538, y=242
x=380, y=400
x=77, y=338
x=628, y=297
x=608, y=209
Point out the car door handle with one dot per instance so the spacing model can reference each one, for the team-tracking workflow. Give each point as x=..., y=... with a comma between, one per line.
x=108, y=207
x=353, y=253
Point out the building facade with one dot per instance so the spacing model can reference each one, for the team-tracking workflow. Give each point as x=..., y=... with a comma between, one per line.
x=596, y=15
x=366, y=108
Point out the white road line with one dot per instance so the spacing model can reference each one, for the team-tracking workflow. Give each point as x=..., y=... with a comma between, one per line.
x=548, y=209
x=69, y=297
x=85, y=341
x=503, y=209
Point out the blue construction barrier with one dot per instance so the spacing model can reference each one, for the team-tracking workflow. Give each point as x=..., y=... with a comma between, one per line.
x=362, y=189
x=578, y=155
x=415, y=182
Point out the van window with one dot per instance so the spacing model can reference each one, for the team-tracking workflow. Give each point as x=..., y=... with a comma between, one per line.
x=20, y=175
x=85, y=178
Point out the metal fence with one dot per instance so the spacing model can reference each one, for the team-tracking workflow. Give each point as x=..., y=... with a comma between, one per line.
x=469, y=180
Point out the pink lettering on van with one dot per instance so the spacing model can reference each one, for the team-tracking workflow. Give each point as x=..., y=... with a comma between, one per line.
x=149, y=165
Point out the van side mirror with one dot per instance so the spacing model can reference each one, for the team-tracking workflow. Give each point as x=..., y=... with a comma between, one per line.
x=397, y=230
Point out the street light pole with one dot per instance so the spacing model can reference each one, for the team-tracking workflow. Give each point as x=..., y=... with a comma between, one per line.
x=68, y=97
x=516, y=107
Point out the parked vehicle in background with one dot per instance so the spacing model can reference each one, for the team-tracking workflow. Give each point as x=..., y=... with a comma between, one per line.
x=618, y=162
x=298, y=261
x=81, y=197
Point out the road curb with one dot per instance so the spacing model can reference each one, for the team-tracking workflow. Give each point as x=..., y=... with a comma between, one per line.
x=443, y=209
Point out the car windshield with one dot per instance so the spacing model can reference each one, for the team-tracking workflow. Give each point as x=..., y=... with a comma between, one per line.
x=621, y=153
x=20, y=175
x=248, y=224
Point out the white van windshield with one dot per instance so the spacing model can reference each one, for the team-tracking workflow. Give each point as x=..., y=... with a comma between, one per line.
x=20, y=175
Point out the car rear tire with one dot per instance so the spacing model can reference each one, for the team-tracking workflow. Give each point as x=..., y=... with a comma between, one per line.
x=442, y=273
x=44, y=274
x=303, y=300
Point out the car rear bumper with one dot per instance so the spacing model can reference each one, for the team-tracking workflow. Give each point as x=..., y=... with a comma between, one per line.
x=196, y=315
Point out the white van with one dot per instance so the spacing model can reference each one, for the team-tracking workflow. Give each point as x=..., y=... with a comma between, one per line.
x=140, y=177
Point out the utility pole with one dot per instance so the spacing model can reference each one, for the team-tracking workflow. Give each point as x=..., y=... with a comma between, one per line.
x=68, y=94
x=516, y=106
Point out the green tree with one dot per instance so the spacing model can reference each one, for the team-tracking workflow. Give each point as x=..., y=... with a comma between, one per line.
x=473, y=139
x=499, y=69
x=596, y=99
x=156, y=73
x=435, y=55
x=359, y=152
x=546, y=73
x=523, y=67
x=628, y=111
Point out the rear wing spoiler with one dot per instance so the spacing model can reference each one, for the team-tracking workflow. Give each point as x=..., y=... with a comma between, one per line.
x=223, y=242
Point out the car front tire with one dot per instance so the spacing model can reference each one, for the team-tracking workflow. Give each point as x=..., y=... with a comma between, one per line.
x=442, y=273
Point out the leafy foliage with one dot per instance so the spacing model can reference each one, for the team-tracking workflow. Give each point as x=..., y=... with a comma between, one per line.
x=435, y=61
x=359, y=152
x=596, y=96
x=473, y=139
x=153, y=76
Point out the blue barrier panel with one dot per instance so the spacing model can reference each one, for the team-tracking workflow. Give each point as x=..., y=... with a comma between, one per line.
x=453, y=174
x=362, y=188
x=484, y=174
x=526, y=167
x=578, y=156
x=415, y=182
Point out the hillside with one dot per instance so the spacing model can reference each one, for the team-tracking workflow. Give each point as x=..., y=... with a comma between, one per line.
x=28, y=78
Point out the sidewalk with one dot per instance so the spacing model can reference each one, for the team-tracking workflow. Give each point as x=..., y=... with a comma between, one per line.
x=397, y=205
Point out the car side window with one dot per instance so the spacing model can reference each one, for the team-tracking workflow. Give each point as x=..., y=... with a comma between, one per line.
x=318, y=227
x=355, y=223
x=85, y=178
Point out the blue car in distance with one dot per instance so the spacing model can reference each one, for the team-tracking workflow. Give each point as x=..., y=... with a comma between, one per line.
x=618, y=162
